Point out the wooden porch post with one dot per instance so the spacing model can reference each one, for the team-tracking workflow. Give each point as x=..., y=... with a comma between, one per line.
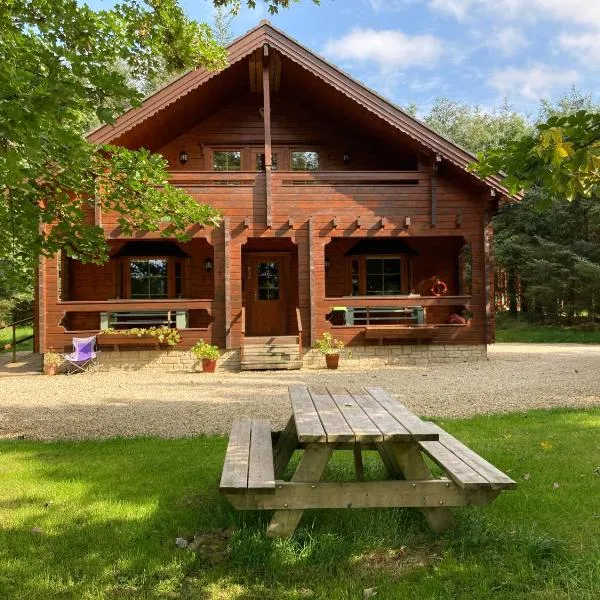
x=227, y=279
x=267, y=126
x=312, y=281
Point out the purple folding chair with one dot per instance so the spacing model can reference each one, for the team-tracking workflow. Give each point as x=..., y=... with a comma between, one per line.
x=84, y=356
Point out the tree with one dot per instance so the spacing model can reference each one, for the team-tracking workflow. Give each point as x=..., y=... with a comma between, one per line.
x=473, y=128
x=63, y=68
x=561, y=154
x=547, y=248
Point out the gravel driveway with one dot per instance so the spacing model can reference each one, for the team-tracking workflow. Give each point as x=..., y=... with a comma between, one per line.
x=516, y=377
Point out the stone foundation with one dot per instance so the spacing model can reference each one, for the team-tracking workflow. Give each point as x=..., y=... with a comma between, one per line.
x=401, y=355
x=183, y=361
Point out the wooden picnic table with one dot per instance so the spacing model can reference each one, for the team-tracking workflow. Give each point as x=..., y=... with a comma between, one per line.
x=326, y=419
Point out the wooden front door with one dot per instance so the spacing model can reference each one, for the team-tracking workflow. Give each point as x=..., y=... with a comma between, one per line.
x=266, y=294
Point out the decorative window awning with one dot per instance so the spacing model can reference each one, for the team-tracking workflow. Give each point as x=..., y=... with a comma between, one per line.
x=150, y=248
x=381, y=246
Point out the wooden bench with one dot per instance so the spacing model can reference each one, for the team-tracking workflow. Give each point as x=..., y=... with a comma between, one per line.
x=466, y=468
x=249, y=458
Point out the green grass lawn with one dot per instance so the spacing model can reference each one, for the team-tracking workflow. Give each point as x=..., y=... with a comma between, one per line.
x=92, y=520
x=6, y=338
x=511, y=329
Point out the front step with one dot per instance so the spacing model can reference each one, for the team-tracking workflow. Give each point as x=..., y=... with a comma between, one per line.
x=271, y=352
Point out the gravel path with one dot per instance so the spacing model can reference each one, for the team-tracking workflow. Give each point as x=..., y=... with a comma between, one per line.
x=516, y=377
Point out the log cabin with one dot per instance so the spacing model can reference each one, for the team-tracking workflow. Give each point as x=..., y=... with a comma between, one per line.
x=341, y=213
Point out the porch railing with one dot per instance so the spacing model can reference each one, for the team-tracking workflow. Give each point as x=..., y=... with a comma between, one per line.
x=399, y=301
x=299, y=324
x=15, y=340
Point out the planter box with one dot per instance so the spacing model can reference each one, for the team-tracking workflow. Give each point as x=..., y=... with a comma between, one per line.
x=117, y=341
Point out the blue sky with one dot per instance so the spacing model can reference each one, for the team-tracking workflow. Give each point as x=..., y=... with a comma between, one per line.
x=476, y=51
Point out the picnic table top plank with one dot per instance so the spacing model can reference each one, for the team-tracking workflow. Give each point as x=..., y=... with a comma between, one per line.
x=235, y=469
x=260, y=471
x=365, y=430
x=391, y=429
x=308, y=423
x=419, y=430
x=334, y=423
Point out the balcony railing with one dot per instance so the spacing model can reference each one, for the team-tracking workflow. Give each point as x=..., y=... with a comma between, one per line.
x=292, y=178
x=132, y=305
x=350, y=178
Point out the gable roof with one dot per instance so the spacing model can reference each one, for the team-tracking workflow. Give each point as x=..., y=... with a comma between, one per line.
x=265, y=33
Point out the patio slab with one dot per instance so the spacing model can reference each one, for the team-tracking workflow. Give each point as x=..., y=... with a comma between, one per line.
x=27, y=363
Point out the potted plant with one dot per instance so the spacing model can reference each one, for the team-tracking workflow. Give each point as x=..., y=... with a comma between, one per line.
x=52, y=362
x=330, y=348
x=208, y=354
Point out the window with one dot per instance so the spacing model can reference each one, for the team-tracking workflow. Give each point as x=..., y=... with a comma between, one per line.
x=149, y=278
x=384, y=276
x=227, y=160
x=260, y=162
x=305, y=161
x=268, y=280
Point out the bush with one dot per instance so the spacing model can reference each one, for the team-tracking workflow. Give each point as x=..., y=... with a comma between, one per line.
x=15, y=308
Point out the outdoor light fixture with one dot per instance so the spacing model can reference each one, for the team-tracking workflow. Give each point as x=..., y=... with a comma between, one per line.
x=346, y=158
x=183, y=157
x=208, y=264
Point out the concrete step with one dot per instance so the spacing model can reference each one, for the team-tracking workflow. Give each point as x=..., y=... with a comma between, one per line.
x=285, y=340
x=268, y=366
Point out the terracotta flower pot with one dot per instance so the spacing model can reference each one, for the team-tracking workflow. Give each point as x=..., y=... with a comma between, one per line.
x=332, y=360
x=209, y=365
x=50, y=369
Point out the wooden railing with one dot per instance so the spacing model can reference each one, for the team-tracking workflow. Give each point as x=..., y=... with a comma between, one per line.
x=250, y=178
x=15, y=341
x=299, y=324
x=352, y=178
x=131, y=305
x=242, y=332
x=399, y=301
x=215, y=178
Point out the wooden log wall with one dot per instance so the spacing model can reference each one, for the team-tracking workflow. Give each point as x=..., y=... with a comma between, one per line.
x=304, y=207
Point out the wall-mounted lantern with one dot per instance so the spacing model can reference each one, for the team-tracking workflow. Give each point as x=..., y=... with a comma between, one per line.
x=183, y=157
x=208, y=265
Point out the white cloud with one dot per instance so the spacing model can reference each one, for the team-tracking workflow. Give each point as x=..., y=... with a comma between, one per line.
x=584, y=46
x=387, y=48
x=389, y=5
x=461, y=9
x=426, y=85
x=531, y=83
x=582, y=12
x=509, y=40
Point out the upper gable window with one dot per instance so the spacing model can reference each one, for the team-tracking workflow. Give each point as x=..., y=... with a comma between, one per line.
x=227, y=160
x=304, y=161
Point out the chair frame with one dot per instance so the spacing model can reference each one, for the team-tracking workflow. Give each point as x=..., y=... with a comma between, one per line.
x=89, y=365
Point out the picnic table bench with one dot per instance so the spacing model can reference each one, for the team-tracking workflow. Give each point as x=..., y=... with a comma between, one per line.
x=357, y=419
